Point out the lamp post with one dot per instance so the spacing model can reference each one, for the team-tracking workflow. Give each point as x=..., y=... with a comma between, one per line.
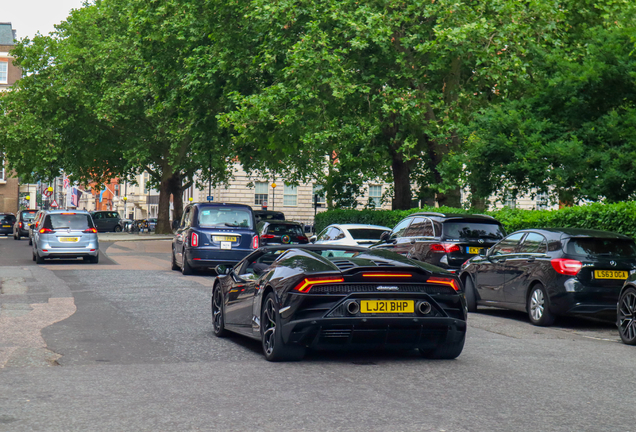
x=50, y=190
x=125, y=198
x=273, y=196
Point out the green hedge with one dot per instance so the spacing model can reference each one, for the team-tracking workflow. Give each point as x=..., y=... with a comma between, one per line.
x=619, y=217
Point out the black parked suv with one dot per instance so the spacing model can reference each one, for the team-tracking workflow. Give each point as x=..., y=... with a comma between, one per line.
x=551, y=272
x=445, y=240
x=6, y=223
x=21, y=226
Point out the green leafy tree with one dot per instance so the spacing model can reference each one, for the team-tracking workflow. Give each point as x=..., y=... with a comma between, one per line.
x=385, y=84
x=572, y=134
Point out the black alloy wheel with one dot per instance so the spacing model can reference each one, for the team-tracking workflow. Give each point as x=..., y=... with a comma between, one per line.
x=471, y=300
x=445, y=351
x=175, y=266
x=626, y=316
x=273, y=346
x=218, y=320
x=538, y=307
x=186, y=269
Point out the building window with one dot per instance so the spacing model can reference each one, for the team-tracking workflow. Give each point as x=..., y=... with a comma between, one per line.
x=375, y=193
x=4, y=72
x=509, y=200
x=318, y=190
x=289, y=196
x=260, y=193
x=145, y=179
x=2, y=178
x=116, y=190
x=541, y=201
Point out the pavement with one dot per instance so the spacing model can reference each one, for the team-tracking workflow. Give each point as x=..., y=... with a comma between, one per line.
x=124, y=236
x=127, y=345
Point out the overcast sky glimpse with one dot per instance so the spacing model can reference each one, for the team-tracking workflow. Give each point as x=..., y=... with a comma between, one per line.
x=30, y=16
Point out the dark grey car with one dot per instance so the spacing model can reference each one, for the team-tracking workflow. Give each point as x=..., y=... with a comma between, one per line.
x=107, y=221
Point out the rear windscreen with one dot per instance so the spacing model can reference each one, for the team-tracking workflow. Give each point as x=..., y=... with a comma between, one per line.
x=366, y=233
x=27, y=216
x=591, y=247
x=294, y=230
x=7, y=219
x=68, y=221
x=225, y=216
x=473, y=230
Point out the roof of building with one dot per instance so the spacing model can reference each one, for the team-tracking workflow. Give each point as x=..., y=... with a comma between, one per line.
x=6, y=34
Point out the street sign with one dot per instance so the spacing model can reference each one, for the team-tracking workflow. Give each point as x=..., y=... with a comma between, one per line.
x=210, y=198
x=54, y=203
x=47, y=193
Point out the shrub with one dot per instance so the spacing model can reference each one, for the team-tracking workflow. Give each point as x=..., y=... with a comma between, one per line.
x=618, y=217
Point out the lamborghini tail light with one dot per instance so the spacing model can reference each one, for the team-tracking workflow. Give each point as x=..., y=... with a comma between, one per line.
x=444, y=281
x=305, y=285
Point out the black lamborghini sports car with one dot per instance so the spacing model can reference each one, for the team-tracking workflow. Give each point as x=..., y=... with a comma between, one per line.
x=327, y=297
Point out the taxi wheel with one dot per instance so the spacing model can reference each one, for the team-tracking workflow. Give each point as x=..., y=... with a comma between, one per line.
x=626, y=316
x=447, y=351
x=538, y=307
x=471, y=301
x=271, y=338
x=186, y=269
x=175, y=266
x=218, y=320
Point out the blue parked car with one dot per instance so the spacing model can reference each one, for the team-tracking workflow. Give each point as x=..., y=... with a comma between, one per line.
x=211, y=234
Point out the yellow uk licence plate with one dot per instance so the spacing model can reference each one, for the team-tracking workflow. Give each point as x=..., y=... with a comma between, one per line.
x=6, y=226
x=223, y=238
x=69, y=239
x=387, y=306
x=610, y=274
x=473, y=250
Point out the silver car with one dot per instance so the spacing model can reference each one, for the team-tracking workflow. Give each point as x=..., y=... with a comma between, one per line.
x=65, y=234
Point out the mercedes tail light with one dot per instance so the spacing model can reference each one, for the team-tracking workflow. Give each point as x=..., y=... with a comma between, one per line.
x=566, y=266
x=255, y=242
x=444, y=281
x=445, y=247
x=46, y=231
x=305, y=285
x=194, y=241
x=90, y=230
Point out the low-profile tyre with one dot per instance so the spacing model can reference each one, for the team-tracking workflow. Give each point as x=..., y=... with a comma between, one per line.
x=117, y=228
x=626, y=316
x=271, y=338
x=175, y=266
x=539, y=307
x=471, y=300
x=38, y=259
x=218, y=318
x=186, y=269
x=447, y=351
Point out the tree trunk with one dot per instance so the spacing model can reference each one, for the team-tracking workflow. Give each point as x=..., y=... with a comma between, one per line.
x=163, y=218
x=402, y=198
x=177, y=197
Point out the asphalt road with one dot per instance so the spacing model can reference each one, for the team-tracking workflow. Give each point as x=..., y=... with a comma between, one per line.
x=127, y=345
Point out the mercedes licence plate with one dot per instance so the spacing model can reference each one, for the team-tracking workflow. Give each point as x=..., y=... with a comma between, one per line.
x=224, y=238
x=610, y=274
x=387, y=306
x=473, y=250
x=69, y=239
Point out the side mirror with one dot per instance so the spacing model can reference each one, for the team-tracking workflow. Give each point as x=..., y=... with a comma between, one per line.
x=313, y=239
x=385, y=236
x=31, y=226
x=222, y=270
x=483, y=252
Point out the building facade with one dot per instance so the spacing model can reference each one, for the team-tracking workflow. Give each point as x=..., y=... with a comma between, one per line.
x=9, y=74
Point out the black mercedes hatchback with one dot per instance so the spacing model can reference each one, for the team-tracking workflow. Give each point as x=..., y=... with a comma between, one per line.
x=276, y=232
x=551, y=272
x=444, y=240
